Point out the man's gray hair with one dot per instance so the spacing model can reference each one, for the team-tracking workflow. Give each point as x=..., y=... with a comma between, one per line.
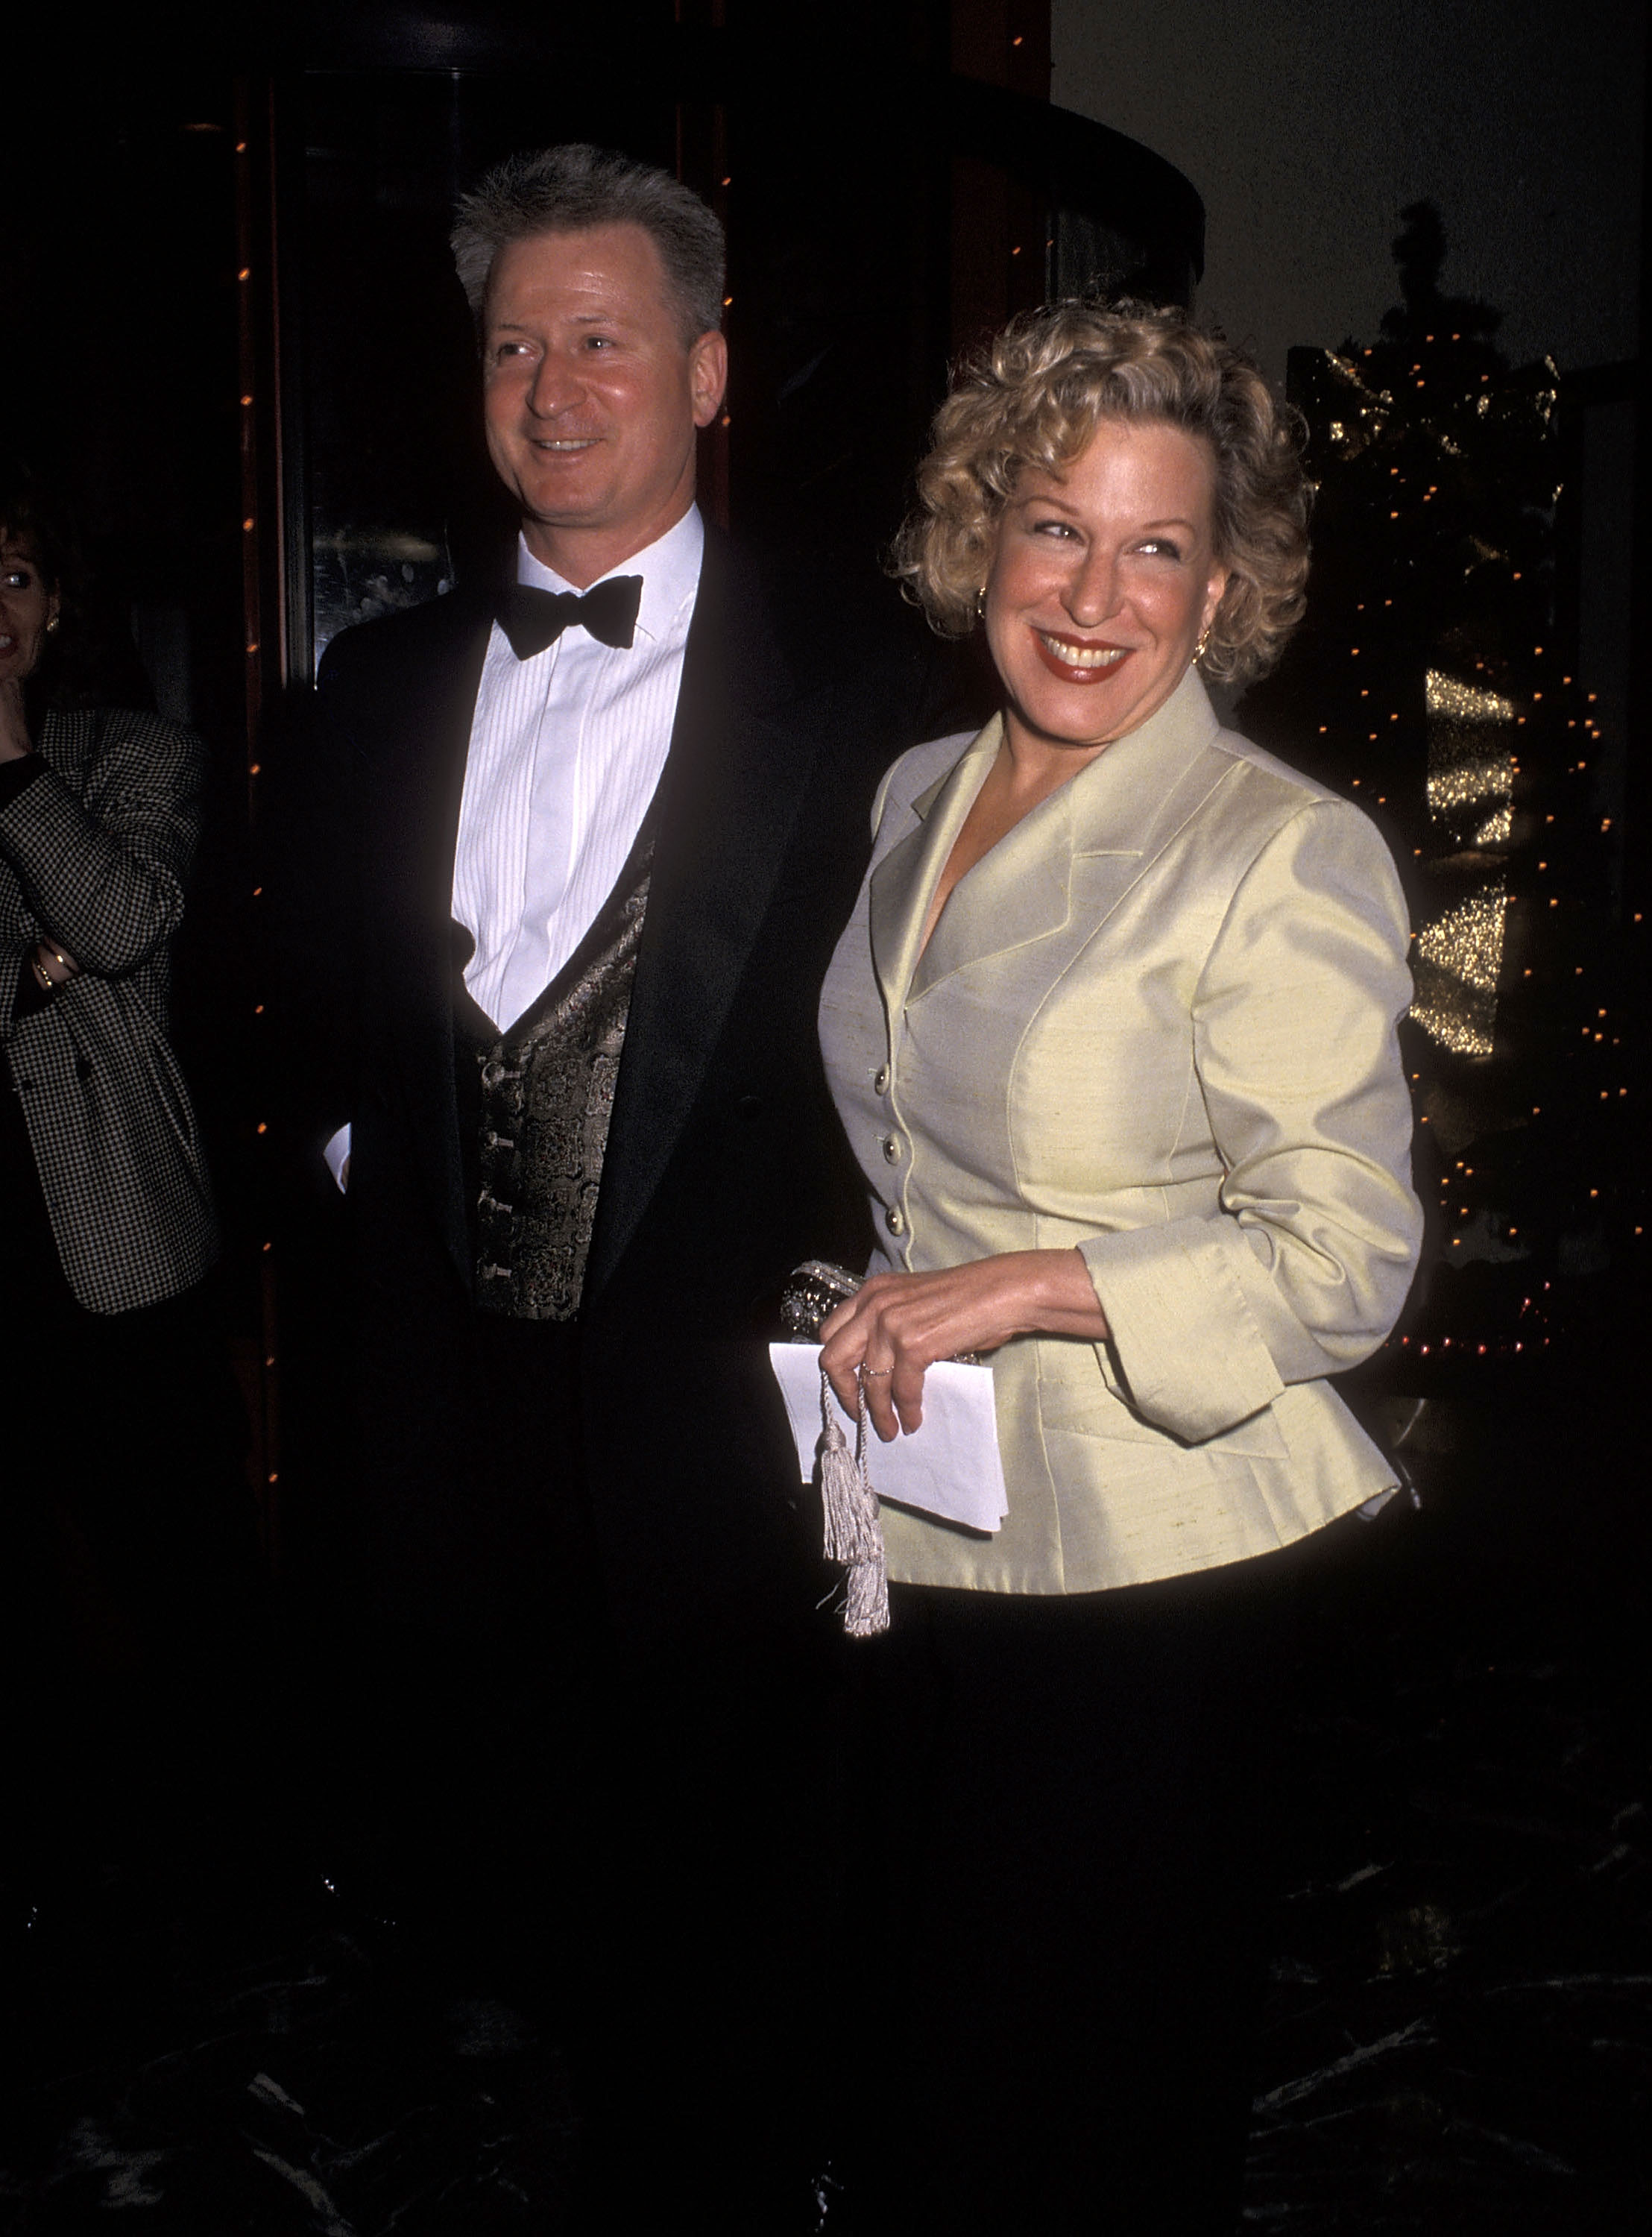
x=574, y=189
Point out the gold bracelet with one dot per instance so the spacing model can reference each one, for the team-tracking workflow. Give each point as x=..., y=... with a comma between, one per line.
x=47, y=982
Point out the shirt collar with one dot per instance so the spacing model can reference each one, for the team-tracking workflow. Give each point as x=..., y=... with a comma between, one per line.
x=669, y=568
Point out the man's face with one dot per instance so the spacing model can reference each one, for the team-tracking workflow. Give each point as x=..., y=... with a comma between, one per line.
x=591, y=396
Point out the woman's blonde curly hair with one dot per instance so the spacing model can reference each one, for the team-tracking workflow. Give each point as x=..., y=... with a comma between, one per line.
x=1036, y=394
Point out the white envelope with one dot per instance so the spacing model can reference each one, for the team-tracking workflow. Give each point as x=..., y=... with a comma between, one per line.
x=949, y=1467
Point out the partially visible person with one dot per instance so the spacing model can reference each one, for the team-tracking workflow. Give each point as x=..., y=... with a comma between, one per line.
x=1112, y=1032
x=120, y=1518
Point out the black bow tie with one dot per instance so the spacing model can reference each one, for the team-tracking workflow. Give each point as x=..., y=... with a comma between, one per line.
x=532, y=618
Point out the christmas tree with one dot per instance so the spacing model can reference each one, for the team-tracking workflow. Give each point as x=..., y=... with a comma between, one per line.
x=1429, y=685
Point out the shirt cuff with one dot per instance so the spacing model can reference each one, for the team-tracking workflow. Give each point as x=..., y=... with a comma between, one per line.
x=336, y=1153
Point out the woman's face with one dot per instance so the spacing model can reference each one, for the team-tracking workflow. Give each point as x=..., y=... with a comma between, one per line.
x=1102, y=583
x=27, y=608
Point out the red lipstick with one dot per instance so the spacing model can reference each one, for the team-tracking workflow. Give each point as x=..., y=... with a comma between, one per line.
x=1076, y=672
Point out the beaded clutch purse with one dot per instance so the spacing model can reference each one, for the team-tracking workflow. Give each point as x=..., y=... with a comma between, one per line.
x=813, y=1291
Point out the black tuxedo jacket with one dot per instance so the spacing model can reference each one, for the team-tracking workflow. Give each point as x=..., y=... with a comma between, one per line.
x=724, y=1166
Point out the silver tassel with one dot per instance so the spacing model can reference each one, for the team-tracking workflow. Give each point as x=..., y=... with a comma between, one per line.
x=865, y=1611
x=854, y=1534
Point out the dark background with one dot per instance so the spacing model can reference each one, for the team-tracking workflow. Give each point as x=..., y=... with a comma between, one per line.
x=237, y=344
x=234, y=338
x=232, y=335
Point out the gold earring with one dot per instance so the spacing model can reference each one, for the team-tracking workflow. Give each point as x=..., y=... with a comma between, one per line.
x=1199, y=649
x=981, y=603
x=51, y=624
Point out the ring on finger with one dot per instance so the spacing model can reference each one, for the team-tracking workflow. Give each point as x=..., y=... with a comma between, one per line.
x=870, y=1372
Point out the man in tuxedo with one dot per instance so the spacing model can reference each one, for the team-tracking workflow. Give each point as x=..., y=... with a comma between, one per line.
x=604, y=827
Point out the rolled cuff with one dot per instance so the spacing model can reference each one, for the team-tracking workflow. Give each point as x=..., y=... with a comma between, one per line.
x=1185, y=1345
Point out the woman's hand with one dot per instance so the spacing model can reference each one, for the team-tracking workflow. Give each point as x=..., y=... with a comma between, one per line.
x=53, y=965
x=897, y=1325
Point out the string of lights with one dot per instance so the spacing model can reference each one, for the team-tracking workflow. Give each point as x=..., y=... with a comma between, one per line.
x=1430, y=683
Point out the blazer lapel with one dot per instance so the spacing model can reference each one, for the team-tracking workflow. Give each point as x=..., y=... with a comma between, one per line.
x=423, y=780
x=903, y=884
x=1018, y=893
x=1132, y=799
x=743, y=748
x=68, y=739
x=1091, y=839
x=65, y=745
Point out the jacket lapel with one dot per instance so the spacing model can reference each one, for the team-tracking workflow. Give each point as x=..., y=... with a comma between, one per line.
x=68, y=738
x=1091, y=839
x=65, y=745
x=1131, y=801
x=903, y=882
x=744, y=745
x=1016, y=894
x=418, y=810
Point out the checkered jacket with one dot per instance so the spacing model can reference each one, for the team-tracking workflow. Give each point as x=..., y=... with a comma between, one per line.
x=93, y=854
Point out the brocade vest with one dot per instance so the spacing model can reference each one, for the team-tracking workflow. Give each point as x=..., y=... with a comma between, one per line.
x=546, y=1096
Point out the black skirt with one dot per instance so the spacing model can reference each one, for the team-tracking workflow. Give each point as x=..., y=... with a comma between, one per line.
x=1060, y=1863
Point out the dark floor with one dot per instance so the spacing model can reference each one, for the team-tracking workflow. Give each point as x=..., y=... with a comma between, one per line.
x=216, y=2029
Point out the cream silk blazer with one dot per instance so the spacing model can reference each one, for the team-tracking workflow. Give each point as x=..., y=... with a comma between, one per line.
x=1156, y=1022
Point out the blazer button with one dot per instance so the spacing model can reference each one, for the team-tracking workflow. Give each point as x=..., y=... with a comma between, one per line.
x=880, y=1080
x=892, y=1150
x=895, y=1220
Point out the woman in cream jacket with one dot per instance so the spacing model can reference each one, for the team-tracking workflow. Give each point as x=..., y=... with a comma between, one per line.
x=1112, y=1033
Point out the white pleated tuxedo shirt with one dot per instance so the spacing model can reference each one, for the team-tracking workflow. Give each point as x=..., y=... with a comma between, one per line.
x=566, y=751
